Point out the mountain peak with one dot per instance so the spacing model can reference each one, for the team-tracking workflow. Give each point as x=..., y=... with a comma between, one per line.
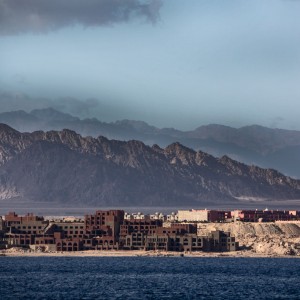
x=51, y=114
x=7, y=131
x=63, y=166
x=136, y=125
x=178, y=147
x=254, y=144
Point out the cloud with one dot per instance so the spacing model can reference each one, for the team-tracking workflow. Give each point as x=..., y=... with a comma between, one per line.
x=19, y=78
x=42, y=16
x=276, y=122
x=89, y=108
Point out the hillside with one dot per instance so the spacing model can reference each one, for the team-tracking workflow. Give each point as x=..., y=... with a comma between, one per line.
x=266, y=147
x=261, y=238
x=64, y=167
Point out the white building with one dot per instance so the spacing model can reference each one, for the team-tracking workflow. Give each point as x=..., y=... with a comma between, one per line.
x=193, y=215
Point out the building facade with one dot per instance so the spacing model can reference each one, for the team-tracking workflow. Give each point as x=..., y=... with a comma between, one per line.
x=108, y=230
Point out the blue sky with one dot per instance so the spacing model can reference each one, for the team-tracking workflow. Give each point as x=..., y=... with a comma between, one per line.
x=177, y=64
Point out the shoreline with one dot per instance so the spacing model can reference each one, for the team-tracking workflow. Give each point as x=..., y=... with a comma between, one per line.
x=142, y=253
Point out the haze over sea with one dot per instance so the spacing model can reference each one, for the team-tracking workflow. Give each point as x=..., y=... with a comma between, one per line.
x=149, y=278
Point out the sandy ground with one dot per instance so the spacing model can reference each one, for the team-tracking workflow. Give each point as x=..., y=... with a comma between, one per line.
x=135, y=253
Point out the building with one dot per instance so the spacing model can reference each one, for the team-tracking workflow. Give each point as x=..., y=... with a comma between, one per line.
x=203, y=215
x=264, y=215
x=108, y=230
x=105, y=223
x=134, y=231
x=221, y=241
x=173, y=217
x=28, y=224
x=23, y=230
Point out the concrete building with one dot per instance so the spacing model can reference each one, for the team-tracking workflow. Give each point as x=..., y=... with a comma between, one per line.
x=221, y=241
x=104, y=223
x=176, y=242
x=134, y=241
x=70, y=229
x=173, y=217
x=136, y=216
x=133, y=232
x=2, y=233
x=107, y=230
x=264, y=215
x=28, y=224
x=203, y=215
x=145, y=226
x=158, y=216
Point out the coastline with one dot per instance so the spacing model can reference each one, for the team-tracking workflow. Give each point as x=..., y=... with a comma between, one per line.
x=141, y=253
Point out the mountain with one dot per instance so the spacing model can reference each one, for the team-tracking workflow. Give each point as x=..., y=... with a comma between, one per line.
x=268, y=148
x=64, y=167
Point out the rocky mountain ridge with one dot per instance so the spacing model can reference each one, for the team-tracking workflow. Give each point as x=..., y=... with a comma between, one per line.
x=63, y=166
x=269, y=148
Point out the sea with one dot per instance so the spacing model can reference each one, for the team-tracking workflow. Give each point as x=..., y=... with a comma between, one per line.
x=149, y=278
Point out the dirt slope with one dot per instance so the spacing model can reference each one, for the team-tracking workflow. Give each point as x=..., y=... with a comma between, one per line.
x=265, y=238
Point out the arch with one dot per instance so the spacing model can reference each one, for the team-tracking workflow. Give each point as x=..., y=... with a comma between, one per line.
x=64, y=246
x=70, y=246
x=58, y=247
x=75, y=247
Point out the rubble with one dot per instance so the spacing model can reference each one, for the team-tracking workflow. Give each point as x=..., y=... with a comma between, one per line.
x=272, y=239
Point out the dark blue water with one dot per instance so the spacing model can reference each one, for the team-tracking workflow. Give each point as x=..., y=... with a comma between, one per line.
x=149, y=278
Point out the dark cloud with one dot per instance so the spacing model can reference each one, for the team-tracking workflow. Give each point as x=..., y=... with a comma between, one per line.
x=40, y=16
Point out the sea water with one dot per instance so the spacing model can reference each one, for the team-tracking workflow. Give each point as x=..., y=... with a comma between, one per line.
x=149, y=278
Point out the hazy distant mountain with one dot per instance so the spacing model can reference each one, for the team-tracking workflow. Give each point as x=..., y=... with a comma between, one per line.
x=274, y=148
x=64, y=167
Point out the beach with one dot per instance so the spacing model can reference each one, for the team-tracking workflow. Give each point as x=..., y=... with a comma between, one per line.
x=135, y=253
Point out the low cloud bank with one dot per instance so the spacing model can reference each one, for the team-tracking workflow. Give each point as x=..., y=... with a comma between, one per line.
x=42, y=16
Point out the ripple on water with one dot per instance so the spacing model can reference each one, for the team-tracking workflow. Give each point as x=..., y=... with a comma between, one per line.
x=148, y=278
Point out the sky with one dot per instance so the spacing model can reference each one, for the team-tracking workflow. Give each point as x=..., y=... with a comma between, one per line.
x=171, y=63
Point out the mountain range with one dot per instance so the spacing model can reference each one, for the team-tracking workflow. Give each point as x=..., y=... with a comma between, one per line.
x=266, y=147
x=64, y=167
